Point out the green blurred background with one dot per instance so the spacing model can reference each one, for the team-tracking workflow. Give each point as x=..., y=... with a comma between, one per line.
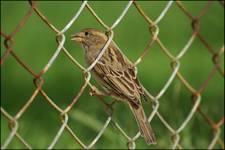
x=35, y=44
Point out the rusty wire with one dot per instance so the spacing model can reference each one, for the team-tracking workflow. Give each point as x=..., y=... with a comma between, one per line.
x=154, y=30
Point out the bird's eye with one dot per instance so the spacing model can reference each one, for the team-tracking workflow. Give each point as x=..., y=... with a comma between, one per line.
x=86, y=33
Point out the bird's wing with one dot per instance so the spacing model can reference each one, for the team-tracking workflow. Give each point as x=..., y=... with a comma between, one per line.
x=118, y=76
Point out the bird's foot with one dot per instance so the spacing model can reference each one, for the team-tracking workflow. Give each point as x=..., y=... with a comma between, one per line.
x=94, y=91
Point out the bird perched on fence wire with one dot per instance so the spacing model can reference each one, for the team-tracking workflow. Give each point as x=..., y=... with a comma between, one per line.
x=115, y=73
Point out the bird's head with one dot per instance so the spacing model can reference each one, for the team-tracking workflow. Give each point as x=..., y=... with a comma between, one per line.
x=90, y=37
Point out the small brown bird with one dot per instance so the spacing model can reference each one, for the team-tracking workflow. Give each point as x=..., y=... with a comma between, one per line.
x=116, y=75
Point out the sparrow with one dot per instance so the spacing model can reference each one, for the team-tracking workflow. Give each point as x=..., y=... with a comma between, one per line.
x=116, y=75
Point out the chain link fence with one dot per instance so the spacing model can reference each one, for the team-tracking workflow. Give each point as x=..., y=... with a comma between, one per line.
x=175, y=60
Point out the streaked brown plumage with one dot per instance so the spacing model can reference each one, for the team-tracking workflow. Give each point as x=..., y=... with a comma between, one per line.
x=116, y=75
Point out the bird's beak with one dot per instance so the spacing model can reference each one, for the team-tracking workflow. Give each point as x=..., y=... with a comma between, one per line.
x=78, y=37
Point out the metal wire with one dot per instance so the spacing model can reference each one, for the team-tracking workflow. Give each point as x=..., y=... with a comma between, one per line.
x=154, y=30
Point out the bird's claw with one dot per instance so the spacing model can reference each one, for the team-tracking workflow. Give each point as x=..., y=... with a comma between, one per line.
x=94, y=91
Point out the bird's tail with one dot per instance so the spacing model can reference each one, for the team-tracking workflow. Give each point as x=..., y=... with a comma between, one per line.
x=144, y=127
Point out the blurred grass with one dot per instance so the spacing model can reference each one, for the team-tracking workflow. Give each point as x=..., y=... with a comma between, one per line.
x=35, y=44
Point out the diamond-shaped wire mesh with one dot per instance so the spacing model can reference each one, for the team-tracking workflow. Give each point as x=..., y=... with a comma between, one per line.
x=14, y=118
